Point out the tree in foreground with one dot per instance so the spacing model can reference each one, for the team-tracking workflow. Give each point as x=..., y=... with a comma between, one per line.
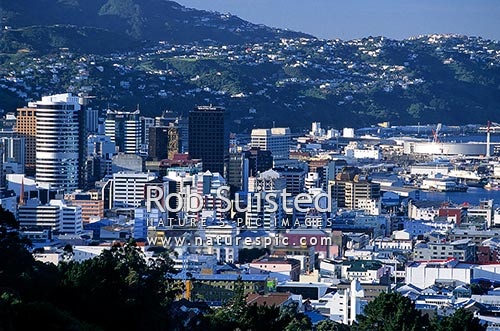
x=394, y=312
x=391, y=312
x=237, y=315
x=27, y=286
x=461, y=320
x=120, y=289
x=329, y=325
x=117, y=290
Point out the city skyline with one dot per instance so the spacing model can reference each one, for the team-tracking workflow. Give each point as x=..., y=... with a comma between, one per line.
x=171, y=168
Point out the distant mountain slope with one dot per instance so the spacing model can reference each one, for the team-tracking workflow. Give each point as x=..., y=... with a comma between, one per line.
x=46, y=39
x=129, y=19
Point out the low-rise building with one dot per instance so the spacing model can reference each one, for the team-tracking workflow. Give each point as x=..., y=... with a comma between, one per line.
x=425, y=274
x=277, y=267
x=91, y=203
x=217, y=289
x=366, y=271
x=423, y=210
x=345, y=304
x=462, y=250
x=34, y=214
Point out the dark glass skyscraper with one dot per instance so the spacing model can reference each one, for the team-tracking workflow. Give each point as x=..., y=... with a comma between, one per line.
x=209, y=137
x=158, y=143
x=163, y=142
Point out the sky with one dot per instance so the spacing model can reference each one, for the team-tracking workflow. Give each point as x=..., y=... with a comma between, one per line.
x=350, y=19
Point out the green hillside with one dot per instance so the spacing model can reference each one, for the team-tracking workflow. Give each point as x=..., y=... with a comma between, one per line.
x=122, y=20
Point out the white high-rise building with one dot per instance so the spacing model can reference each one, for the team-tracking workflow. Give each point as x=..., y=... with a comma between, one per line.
x=57, y=137
x=181, y=183
x=275, y=140
x=129, y=188
x=57, y=216
x=124, y=129
x=316, y=130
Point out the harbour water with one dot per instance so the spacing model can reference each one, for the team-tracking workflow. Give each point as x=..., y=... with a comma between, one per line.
x=472, y=196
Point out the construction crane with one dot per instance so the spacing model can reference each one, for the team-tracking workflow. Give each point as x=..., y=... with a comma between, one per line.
x=435, y=133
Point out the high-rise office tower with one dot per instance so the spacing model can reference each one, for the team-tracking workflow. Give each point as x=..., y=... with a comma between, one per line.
x=158, y=142
x=258, y=160
x=2, y=178
x=96, y=168
x=146, y=123
x=170, y=118
x=14, y=152
x=129, y=188
x=275, y=140
x=246, y=164
x=84, y=180
x=163, y=142
x=350, y=187
x=260, y=209
x=209, y=137
x=183, y=124
x=92, y=120
x=237, y=172
x=71, y=217
x=101, y=148
x=26, y=127
x=124, y=129
x=57, y=141
x=294, y=177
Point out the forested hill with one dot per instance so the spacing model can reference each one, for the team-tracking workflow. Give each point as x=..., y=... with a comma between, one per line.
x=63, y=23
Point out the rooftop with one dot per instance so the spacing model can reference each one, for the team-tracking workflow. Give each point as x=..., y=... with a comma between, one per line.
x=222, y=277
x=362, y=265
x=271, y=299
